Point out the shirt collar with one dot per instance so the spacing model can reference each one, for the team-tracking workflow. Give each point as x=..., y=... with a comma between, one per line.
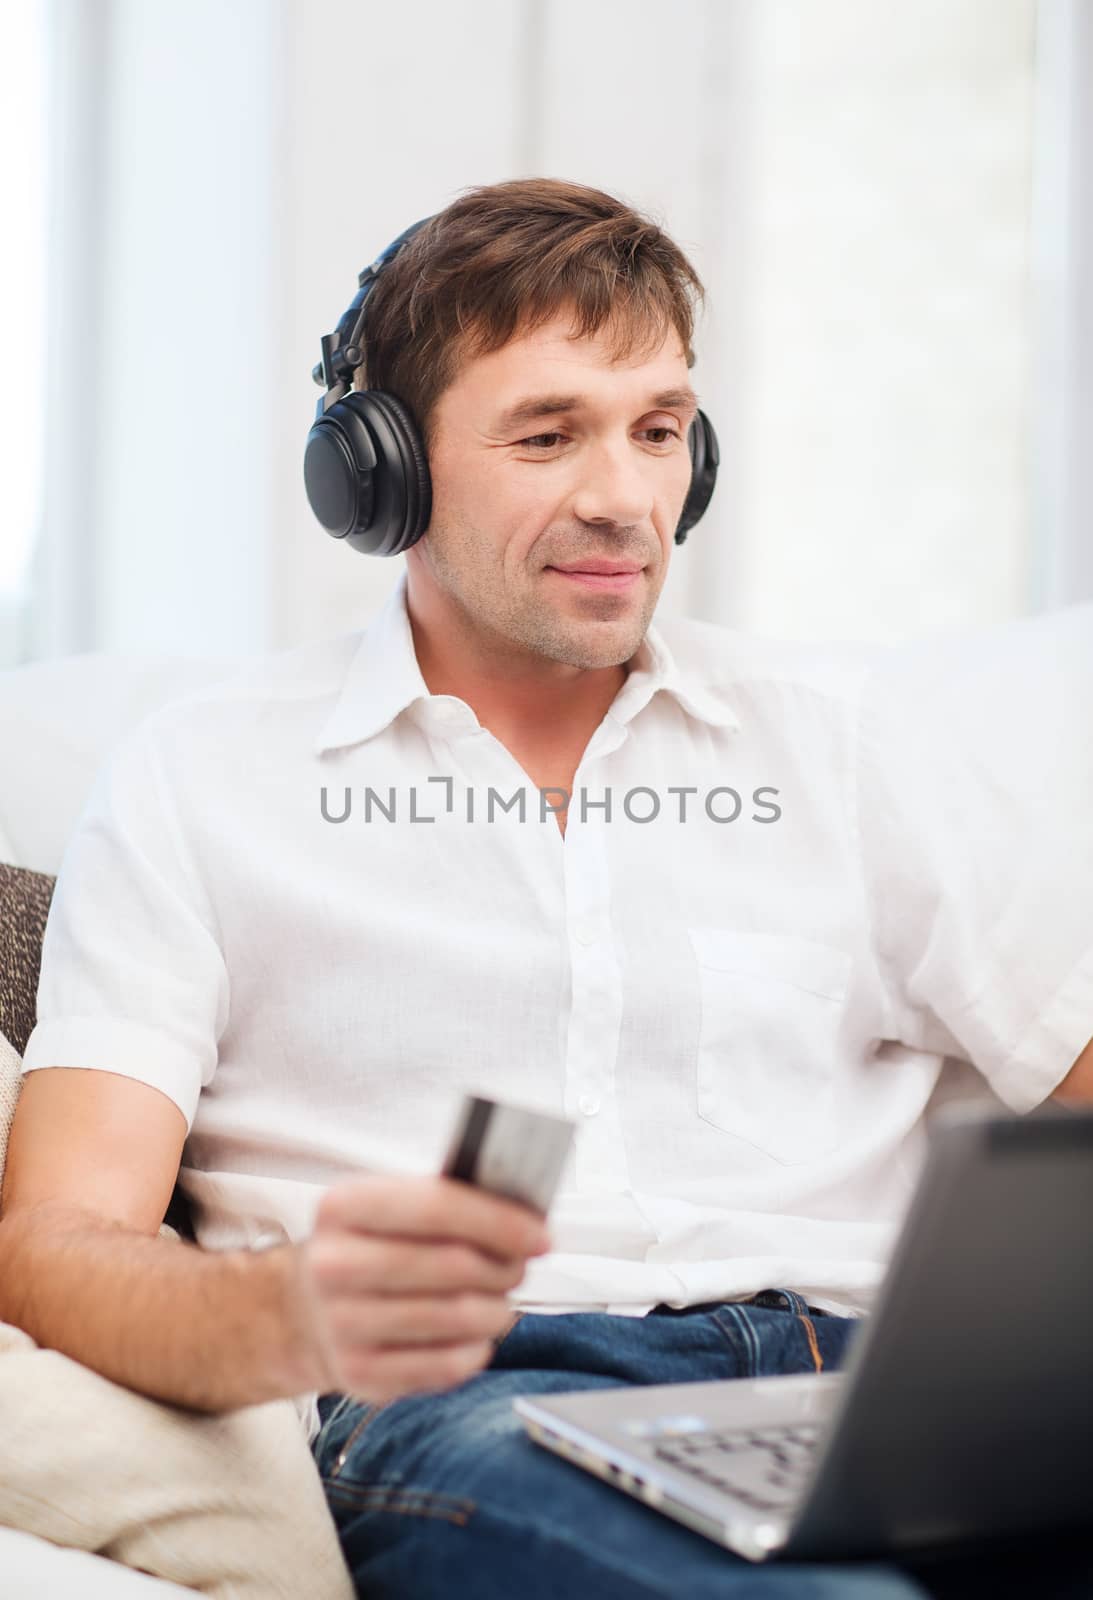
x=653, y=667
x=384, y=679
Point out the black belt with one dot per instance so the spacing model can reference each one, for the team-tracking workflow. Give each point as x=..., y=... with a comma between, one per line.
x=767, y=1298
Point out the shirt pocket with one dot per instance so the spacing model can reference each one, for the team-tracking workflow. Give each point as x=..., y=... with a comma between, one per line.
x=772, y=1007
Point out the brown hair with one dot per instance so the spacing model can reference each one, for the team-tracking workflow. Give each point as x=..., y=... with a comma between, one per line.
x=508, y=256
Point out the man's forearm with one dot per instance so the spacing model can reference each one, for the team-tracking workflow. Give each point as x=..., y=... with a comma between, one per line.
x=211, y=1330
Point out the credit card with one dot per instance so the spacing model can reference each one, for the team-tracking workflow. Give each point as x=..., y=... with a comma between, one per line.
x=509, y=1151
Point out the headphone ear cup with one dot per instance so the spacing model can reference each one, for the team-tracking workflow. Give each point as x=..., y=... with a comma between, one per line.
x=367, y=474
x=705, y=458
x=339, y=469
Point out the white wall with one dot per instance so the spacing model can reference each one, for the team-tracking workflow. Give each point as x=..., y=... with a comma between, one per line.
x=891, y=320
x=1062, y=385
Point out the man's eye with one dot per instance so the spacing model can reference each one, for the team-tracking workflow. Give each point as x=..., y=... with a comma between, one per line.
x=538, y=441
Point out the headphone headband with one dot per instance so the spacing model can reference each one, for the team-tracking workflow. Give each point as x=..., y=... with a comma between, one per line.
x=341, y=350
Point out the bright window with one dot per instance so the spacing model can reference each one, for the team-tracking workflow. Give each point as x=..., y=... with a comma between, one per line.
x=22, y=308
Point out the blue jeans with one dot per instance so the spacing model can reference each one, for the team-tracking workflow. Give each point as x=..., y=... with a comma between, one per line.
x=443, y=1494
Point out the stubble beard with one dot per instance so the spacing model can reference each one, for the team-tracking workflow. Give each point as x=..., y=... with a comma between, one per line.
x=530, y=622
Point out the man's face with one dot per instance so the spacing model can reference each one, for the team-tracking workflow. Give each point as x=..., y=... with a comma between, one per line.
x=598, y=475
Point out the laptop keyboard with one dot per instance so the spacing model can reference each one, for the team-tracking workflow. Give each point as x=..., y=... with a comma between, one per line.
x=764, y=1467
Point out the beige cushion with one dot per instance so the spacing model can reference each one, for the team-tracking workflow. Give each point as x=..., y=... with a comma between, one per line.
x=11, y=1081
x=230, y=1504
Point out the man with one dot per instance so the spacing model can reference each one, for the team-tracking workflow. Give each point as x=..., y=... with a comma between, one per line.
x=305, y=911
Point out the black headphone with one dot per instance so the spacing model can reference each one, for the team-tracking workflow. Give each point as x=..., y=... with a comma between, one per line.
x=365, y=468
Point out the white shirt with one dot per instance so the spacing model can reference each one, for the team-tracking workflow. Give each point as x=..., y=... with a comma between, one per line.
x=748, y=1019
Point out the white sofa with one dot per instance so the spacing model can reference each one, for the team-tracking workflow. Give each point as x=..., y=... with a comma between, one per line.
x=58, y=719
x=34, y=1569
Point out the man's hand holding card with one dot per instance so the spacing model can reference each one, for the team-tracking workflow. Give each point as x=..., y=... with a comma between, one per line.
x=407, y=1279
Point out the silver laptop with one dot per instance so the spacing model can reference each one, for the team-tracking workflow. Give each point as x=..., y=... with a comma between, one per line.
x=964, y=1411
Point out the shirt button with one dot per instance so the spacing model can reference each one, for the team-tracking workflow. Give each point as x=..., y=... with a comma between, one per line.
x=585, y=931
x=589, y=1104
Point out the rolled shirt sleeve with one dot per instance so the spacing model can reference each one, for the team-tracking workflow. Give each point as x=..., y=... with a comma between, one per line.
x=975, y=812
x=133, y=978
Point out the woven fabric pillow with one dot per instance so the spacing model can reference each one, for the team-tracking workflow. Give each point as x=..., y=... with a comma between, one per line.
x=24, y=906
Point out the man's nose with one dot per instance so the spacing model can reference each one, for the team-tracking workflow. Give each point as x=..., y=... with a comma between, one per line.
x=615, y=486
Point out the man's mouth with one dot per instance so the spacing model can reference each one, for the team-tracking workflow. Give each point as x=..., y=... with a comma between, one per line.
x=612, y=576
